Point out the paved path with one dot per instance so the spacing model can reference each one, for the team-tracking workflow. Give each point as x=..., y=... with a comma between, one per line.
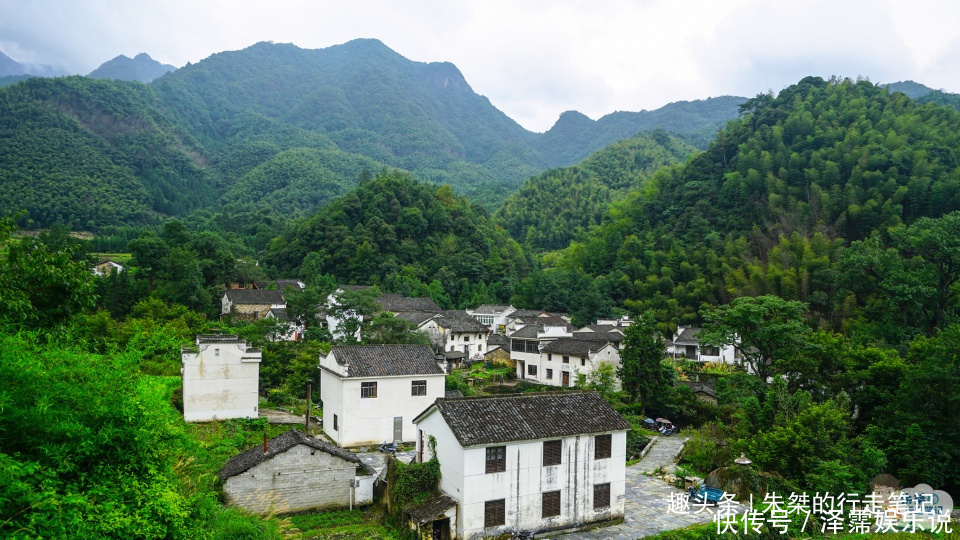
x=647, y=500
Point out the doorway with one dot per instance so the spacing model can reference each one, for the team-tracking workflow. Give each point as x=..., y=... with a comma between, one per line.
x=441, y=529
x=565, y=377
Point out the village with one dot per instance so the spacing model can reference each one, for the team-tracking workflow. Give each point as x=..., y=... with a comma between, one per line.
x=534, y=449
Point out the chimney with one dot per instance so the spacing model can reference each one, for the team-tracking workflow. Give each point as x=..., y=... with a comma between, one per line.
x=265, y=448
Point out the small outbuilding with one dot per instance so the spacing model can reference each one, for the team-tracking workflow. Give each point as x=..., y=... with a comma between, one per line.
x=221, y=378
x=294, y=472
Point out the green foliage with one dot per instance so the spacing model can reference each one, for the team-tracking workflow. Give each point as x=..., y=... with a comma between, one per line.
x=403, y=234
x=641, y=371
x=414, y=482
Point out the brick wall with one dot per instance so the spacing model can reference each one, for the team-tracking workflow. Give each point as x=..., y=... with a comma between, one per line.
x=301, y=478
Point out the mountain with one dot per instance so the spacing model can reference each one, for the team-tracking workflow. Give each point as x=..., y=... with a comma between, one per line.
x=139, y=68
x=7, y=80
x=911, y=89
x=9, y=66
x=233, y=126
x=771, y=205
x=575, y=136
x=560, y=205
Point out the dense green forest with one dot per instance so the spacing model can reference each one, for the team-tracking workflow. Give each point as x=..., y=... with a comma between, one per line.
x=230, y=130
x=773, y=205
x=560, y=205
x=408, y=237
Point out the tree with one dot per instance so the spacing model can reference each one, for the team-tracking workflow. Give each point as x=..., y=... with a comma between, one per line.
x=350, y=308
x=603, y=379
x=764, y=329
x=386, y=329
x=641, y=360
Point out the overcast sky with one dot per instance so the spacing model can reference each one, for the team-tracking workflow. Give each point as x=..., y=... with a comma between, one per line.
x=533, y=59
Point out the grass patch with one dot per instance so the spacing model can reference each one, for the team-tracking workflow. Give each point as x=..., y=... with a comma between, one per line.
x=358, y=524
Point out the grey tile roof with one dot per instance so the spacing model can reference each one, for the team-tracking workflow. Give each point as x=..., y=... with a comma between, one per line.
x=397, y=302
x=526, y=417
x=218, y=338
x=417, y=317
x=278, y=445
x=387, y=360
x=491, y=309
x=432, y=508
x=598, y=328
x=530, y=331
x=689, y=336
x=497, y=339
x=254, y=296
x=452, y=393
x=280, y=314
x=521, y=313
x=284, y=283
x=612, y=337
x=460, y=321
x=572, y=347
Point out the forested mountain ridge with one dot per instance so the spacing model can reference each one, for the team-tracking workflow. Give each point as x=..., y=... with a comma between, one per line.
x=237, y=111
x=405, y=236
x=559, y=205
x=140, y=68
x=89, y=153
x=773, y=204
x=575, y=136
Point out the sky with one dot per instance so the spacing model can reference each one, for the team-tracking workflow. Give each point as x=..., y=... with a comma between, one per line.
x=533, y=59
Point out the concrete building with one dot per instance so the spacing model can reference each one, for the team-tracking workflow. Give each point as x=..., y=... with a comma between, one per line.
x=294, y=472
x=221, y=378
x=686, y=344
x=253, y=304
x=525, y=344
x=563, y=360
x=549, y=461
x=371, y=393
x=493, y=316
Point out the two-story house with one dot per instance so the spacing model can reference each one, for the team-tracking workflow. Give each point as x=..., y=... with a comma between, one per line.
x=563, y=359
x=253, y=304
x=371, y=393
x=493, y=316
x=549, y=461
x=463, y=333
x=686, y=344
x=525, y=344
x=221, y=378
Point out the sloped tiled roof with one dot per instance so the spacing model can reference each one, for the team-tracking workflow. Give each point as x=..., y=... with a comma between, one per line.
x=432, y=508
x=530, y=331
x=572, y=347
x=521, y=313
x=689, y=336
x=497, y=339
x=278, y=445
x=491, y=309
x=280, y=314
x=612, y=337
x=387, y=360
x=354, y=287
x=254, y=296
x=598, y=328
x=417, y=317
x=526, y=417
x=397, y=302
x=460, y=321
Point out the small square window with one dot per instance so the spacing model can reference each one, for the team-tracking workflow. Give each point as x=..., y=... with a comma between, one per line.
x=496, y=459
x=566, y=359
x=552, y=452
x=602, y=446
x=466, y=338
x=531, y=370
x=551, y=504
x=368, y=390
x=601, y=496
x=549, y=373
x=494, y=513
x=418, y=388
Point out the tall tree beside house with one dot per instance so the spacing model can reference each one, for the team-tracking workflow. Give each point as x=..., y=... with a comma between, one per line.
x=641, y=369
x=765, y=330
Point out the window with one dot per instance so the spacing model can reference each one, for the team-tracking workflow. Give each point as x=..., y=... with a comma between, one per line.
x=551, y=504
x=216, y=352
x=601, y=496
x=494, y=513
x=549, y=357
x=566, y=359
x=418, y=388
x=601, y=446
x=583, y=361
x=531, y=370
x=533, y=346
x=336, y=426
x=550, y=374
x=466, y=338
x=496, y=459
x=517, y=345
x=368, y=389
x=552, y=452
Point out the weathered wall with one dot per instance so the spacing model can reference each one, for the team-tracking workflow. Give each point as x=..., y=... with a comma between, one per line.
x=220, y=386
x=301, y=478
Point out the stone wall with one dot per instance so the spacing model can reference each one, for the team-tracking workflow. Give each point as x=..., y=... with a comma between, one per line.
x=302, y=478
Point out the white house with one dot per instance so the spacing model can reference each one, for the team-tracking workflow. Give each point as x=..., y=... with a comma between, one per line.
x=543, y=461
x=250, y=303
x=294, y=472
x=463, y=333
x=525, y=344
x=105, y=268
x=563, y=359
x=492, y=316
x=291, y=330
x=371, y=393
x=396, y=304
x=686, y=344
x=221, y=377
